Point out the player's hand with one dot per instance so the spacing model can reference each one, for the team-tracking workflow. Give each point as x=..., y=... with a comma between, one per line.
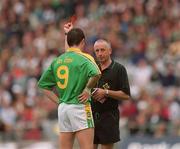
x=84, y=96
x=99, y=94
x=67, y=27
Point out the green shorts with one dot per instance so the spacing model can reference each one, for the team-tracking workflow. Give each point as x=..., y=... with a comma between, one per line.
x=75, y=117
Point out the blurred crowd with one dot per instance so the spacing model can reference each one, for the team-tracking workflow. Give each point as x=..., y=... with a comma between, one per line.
x=145, y=37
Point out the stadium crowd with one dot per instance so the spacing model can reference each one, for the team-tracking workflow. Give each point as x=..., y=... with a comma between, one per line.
x=145, y=37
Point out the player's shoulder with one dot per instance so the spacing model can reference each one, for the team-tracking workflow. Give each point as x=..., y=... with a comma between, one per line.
x=88, y=56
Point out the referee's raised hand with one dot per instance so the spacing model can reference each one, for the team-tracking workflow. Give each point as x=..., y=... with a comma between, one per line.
x=67, y=27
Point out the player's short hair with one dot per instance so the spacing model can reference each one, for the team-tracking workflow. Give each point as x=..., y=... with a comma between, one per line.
x=75, y=36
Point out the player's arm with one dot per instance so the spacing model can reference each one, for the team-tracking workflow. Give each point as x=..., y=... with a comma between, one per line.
x=47, y=82
x=94, y=74
x=51, y=95
x=92, y=82
x=87, y=91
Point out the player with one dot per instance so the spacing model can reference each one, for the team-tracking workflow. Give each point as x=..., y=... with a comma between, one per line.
x=74, y=74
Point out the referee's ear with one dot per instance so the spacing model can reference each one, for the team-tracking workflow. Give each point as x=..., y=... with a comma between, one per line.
x=110, y=51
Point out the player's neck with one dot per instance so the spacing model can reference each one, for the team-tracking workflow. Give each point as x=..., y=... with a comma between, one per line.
x=105, y=64
x=77, y=47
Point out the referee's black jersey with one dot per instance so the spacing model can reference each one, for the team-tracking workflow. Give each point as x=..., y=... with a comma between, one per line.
x=113, y=78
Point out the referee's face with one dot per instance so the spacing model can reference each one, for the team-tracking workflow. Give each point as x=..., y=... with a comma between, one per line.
x=102, y=52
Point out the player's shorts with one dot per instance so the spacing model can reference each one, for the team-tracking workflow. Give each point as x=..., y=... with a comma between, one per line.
x=75, y=117
x=106, y=127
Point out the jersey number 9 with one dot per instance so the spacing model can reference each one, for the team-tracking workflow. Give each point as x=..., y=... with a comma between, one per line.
x=62, y=74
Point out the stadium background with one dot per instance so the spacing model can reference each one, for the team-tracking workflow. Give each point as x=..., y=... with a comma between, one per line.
x=145, y=37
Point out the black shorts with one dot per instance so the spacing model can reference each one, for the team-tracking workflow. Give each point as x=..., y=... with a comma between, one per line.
x=106, y=127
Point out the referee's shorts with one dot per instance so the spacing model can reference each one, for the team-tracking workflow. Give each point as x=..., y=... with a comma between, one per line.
x=106, y=127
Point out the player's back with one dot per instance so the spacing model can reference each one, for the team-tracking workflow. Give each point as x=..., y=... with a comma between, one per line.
x=72, y=71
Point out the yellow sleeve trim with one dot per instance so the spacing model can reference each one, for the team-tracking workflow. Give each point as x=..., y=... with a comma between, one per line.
x=91, y=59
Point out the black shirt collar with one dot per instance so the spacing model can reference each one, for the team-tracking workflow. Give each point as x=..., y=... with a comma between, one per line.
x=109, y=67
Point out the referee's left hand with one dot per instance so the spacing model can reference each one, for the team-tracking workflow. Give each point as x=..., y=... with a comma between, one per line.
x=99, y=94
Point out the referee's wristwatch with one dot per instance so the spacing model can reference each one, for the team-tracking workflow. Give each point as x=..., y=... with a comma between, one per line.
x=106, y=92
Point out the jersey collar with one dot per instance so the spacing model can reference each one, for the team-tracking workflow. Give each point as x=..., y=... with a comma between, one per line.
x=74, y=50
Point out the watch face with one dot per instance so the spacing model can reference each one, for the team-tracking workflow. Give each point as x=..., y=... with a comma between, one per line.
x=107, y=92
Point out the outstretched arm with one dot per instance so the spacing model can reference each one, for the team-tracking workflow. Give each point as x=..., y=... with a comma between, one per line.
x=67, y=27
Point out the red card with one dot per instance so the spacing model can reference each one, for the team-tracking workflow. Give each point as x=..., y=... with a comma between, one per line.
x=73, y=19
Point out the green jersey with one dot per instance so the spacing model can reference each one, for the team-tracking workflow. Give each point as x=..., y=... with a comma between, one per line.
x=69, y=73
